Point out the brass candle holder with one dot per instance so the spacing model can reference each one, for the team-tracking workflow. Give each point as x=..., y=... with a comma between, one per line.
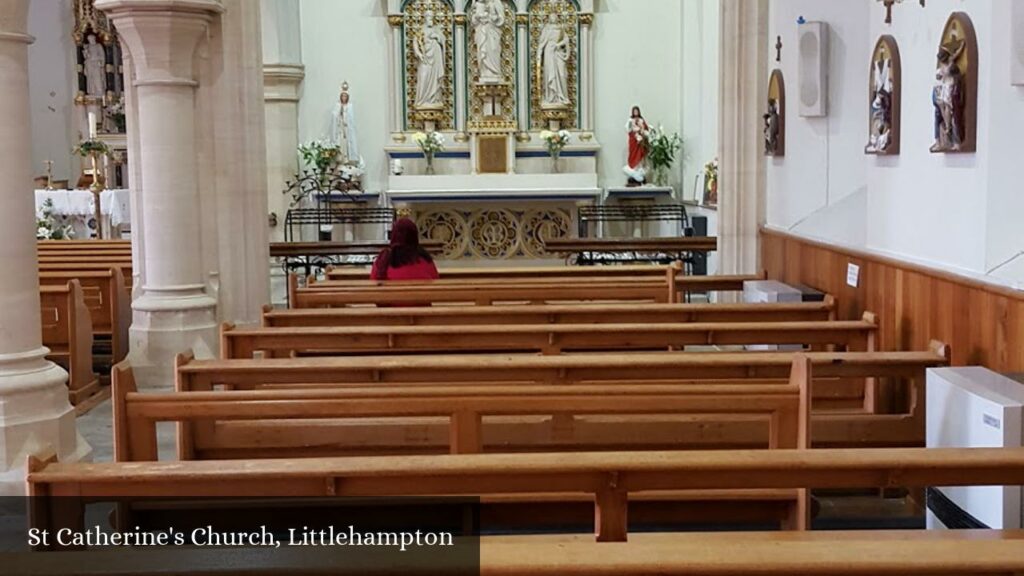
x=96, y=187
x=49, y=174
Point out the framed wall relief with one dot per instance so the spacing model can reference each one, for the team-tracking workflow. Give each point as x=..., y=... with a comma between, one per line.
x=775, y=116
x=955, y=94
x=884, y=95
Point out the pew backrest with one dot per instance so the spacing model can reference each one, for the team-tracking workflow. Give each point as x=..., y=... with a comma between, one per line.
x=67, y=332
x=108, y=301
x=550, y=314
x=785, y=405
x=856, y=335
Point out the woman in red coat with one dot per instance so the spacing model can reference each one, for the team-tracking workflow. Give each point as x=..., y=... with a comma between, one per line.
x=404, y=259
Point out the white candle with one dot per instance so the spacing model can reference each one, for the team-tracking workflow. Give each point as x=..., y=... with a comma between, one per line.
x=92, y=125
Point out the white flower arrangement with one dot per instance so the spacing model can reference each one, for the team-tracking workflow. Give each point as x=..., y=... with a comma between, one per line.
x=555, y=141
x=431, y=143
x=47, y=228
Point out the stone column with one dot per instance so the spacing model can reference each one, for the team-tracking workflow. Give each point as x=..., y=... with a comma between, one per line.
x=174, y=313
x=742, y=98
x=396, y=81
x=523, y=78
x=239, y=138
x=282, y=77
x=34, y=411
x=586, y=90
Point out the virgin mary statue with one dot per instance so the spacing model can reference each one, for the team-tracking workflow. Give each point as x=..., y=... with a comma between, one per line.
x=429, y=50
x=342, y=129
x=488, y=19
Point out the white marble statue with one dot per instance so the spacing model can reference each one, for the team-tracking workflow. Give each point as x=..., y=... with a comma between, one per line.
x=342, y=129
x=488, y=19
x=552, y=63
x=95, y=67
x=429, y=48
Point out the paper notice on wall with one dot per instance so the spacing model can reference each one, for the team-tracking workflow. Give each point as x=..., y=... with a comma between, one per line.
x=852, y=275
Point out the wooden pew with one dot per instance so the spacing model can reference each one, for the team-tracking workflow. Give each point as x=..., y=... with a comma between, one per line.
x=82, y=244
x=784, y=405
x=579, y=272
x=849, y=412
x=485, y=292
x=64, y=266
x=67, y=332
x=825, y=553
x=84, y=258
x=246, y=424
x=612, y=478
x=108, y=301
x=856, y=335
x=551, y=314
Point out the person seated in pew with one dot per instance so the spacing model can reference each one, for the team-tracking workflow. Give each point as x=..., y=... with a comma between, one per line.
x=404, y=259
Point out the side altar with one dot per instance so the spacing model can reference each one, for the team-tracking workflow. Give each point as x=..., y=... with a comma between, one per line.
x=502, y=91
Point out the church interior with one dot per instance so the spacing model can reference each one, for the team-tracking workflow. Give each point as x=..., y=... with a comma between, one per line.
x=512, y=287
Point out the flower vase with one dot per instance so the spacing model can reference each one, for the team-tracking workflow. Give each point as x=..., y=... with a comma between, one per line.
x=430, y=163
x=660, y=176
x=554, y=162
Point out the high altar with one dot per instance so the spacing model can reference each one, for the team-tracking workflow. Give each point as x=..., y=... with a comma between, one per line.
x=491, y=75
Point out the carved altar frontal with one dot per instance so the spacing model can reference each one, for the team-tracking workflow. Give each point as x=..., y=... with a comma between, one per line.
x=491, y=75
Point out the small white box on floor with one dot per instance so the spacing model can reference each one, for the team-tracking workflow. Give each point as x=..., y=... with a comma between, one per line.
x=764, y=291
x=974, y=407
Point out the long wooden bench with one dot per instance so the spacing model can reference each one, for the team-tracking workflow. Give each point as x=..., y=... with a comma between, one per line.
x=82, y=244
x=84, y=258
x=783, y=405
x=249, y=425
x=550, y=314
x=850, y=410
x=855, y=335
x=64, y=266
x=641, y=289
x=108, y=301
x=825, y=553
x=67, y=332
x=612, y=478
x=578, y=272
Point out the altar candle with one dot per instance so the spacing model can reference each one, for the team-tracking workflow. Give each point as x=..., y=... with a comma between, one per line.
x=92, y=125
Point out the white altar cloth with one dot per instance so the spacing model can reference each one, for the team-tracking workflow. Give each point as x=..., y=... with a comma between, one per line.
x=114, y=204
x=75, y=208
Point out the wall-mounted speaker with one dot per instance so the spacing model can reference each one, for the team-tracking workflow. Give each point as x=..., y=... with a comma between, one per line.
x=1017, y=38
x=813, y=69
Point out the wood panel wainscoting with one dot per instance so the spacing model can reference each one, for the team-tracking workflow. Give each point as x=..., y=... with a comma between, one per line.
x=983, y=323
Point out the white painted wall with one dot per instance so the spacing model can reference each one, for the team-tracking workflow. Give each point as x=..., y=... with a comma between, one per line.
x=638, y=50
x=51, y=62
x=957, y=212
x=637, y=61
x=699, y=89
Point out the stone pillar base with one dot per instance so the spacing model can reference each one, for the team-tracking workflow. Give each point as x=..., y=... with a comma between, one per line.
x=35, y=417
x=163, y=327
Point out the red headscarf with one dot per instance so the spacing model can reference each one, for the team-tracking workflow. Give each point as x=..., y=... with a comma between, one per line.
x=404, y=249
x=405, y=233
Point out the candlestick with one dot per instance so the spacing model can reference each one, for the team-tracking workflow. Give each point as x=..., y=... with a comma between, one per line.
x=49, y=174
x=96, y=188
x=92, y=125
